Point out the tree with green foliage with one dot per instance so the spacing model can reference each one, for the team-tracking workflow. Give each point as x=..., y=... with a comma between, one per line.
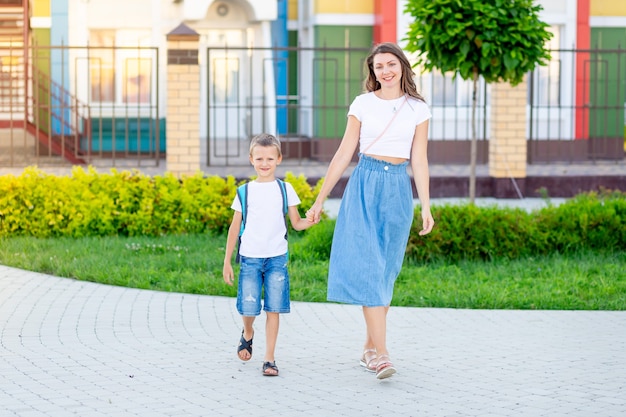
x=500, y=40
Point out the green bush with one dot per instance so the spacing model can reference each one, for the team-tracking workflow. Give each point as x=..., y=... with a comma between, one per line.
x=306, y=193
x=315, y=244
x=125, y=203
x=471, y=232
x=89, y=203
x=590, y=221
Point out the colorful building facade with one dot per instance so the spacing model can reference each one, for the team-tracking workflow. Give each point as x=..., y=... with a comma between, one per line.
x=114, y=58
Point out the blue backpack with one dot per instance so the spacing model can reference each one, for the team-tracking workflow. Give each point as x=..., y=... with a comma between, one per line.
x=242, y=194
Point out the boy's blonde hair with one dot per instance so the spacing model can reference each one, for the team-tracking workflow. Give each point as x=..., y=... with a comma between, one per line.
x=265, y=139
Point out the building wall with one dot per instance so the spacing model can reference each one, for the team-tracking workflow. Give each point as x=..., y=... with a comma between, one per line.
x=40, y=8
x=311, y=23
x=339, y=77
x=344, y=6
x=608, y=31
x=608, y=8
x=40, y=22
x=292, y=9
x=330, y=79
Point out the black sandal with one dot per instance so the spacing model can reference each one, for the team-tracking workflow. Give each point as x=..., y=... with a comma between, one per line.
x=270, y=365
x=245, y=344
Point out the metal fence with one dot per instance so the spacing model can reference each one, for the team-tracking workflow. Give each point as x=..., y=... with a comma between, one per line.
x=80, y=105
x=577, y=107
x=103, y=105
x=303, y=95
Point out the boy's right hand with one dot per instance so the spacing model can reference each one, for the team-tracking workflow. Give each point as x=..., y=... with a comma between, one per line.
x=314, y=213
x=228, y=274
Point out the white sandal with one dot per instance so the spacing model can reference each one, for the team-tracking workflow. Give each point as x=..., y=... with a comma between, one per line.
x=368, y=360
x=384, y=367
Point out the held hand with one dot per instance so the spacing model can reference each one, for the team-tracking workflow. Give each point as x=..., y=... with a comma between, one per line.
x=427, y=223
x=228, y=274
x=314, y=213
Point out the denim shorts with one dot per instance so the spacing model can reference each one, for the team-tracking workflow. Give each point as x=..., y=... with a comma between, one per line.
x=263, y=277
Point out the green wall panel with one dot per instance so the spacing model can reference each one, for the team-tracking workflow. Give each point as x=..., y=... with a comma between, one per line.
x=41, y=84
x=292, y=73
x=607, y=93
x=338, y=75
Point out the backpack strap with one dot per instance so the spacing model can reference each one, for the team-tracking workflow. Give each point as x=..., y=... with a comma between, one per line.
x=242, y=194
x=283, y=191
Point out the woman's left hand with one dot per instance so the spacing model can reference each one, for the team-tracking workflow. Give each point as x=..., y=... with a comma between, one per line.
x=427, y=223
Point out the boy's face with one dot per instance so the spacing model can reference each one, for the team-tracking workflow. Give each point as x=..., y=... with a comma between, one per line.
x=265, y=159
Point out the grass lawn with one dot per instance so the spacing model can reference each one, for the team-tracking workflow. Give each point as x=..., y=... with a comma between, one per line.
x=193, y=264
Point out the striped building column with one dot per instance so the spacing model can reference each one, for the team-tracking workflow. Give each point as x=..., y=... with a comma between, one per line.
x=183, y=102
x=507, y=142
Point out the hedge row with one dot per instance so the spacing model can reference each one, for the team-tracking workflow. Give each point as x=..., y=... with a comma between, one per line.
x=88, y=203
x=594, y=221
x=590, y=221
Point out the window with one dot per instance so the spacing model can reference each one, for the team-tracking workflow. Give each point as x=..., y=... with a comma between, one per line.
x=102, y=65
x=225, y=74
x=136, y=87
x=120, y=66
x=543, y=84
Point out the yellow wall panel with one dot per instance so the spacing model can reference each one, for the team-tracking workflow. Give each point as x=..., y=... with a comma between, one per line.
x=292, y=10
x=344, y=6
x=607, y=8
x=40, y=8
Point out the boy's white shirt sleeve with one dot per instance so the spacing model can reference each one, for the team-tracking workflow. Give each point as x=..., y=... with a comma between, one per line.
x=292, y=196
x=236, y=204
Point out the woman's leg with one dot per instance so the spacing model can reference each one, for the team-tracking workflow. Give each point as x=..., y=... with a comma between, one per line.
x=369, y=357
x=376, y=325
x=376, y=322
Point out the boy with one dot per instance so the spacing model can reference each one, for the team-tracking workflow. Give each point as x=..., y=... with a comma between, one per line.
x=263, y=247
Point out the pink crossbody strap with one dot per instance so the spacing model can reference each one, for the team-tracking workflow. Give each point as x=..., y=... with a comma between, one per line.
x=386, y=127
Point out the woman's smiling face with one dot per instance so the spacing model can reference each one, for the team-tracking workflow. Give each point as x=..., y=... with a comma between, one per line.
x=388, y=69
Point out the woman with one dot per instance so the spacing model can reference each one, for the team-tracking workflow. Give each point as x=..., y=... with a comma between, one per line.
x=389, y=123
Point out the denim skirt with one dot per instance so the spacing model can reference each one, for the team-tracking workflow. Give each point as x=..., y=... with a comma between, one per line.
x=371, y=233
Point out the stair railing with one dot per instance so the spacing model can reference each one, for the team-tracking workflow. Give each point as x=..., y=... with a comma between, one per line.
x=58, y=114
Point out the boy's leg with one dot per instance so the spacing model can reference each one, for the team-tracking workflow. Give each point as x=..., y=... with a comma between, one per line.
x=248, y=302
x=271, y=335
x=248, y=334
x=276, y=302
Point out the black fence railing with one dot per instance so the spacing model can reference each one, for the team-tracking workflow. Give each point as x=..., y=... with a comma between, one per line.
x=93, y=105
x=577, y=106
x=303, y=95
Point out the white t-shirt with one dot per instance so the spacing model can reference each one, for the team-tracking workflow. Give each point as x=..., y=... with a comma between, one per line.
x=264, y=234
x=375, y=113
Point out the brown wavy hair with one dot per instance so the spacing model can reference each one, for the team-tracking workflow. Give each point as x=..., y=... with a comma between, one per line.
x=407, y=83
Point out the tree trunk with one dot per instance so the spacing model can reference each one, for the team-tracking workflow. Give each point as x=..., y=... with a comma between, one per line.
x=472, y=179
